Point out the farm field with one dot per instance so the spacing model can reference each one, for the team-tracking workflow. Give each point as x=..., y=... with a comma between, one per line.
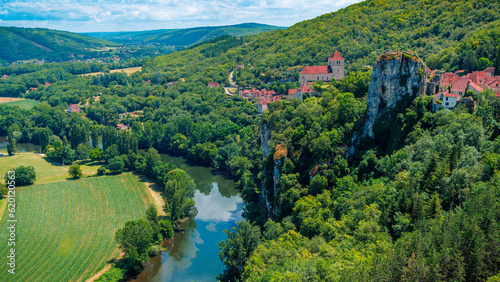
x=22, y=103
x=127, y=71
x=45, y=171
x=65, y=230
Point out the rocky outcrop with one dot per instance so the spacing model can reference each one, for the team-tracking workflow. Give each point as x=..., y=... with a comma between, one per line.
x=265, y=136
x=398, y=78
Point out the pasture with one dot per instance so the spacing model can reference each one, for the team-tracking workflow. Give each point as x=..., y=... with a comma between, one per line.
x=65, y=230
x=127, y=71
x=45, y=171
x=21, y=103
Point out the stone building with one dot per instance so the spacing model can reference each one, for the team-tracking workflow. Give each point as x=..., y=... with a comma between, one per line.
x=334, y=69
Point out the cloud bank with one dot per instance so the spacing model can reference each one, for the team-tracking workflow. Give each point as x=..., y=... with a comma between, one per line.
x=131, y=15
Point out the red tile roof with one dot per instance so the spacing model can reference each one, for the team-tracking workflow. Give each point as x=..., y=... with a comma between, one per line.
x=305, y=89
x=336, y=56
x=450, y=95
x=448, y=78
x=314, y=69
x=493, y=81
x=291, y=91
x=477, y=76
x=461, y=84
x=475, y=86
x=489, y=70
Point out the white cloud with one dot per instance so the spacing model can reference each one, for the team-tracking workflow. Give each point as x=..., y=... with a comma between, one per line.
x=117, y=15
x=216, y=208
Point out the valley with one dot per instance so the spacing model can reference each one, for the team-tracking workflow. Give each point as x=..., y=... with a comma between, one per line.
x=359, y=145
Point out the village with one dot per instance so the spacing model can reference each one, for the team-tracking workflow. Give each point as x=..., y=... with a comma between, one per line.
x=448, y=89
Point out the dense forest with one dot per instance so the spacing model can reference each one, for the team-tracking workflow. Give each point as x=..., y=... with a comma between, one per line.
x=183, y=37
x=425, y=210
x=51, y=45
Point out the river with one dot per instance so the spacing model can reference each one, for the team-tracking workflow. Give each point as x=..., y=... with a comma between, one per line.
x=20, y=147
x=193, y=254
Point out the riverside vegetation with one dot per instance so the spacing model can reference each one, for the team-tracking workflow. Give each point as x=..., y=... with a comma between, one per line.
x=422, y=208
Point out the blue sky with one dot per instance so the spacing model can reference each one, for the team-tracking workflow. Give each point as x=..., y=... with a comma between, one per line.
x=131, y=15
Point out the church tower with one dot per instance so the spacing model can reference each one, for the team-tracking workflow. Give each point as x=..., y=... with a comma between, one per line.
x=336, y=65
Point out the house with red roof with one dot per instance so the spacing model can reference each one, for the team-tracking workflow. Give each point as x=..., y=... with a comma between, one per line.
x=493, y=83
x=121, y=126
x=460, y=87
x=299, y=93
x=213, y=84
x=490, y=71
x=73, y=108
x=334, y=69
x=477, y=77
x=446, y=100
x=261, y=106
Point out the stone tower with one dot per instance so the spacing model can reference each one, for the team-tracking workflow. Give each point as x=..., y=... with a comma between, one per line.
x=336, y=65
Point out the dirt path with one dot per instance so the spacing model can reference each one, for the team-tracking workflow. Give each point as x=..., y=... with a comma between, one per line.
x=10, y=99
x=157, y=196
x=98, y=274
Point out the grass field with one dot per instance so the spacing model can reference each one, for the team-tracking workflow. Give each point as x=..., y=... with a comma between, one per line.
x=65, y=230
x=23, y=104
x=127, y=71
x=45, y=171
x=10, y=99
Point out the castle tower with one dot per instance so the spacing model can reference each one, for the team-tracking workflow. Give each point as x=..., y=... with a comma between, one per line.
x=336, y=65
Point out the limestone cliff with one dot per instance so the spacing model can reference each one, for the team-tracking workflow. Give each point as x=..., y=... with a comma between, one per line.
x=398, y=78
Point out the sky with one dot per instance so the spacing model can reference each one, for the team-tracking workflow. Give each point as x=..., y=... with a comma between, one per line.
x=135, y=15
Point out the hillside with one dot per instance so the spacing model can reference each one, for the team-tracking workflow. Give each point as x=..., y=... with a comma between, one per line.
x=50, y=45
x=183, y=37
x=365, y=30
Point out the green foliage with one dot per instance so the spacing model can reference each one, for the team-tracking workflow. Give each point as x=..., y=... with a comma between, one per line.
x=183, y=37
x=114, y=274
x=178, y=194
x=101, y=170
x=75, y=171
x=115, y=165
x=238, y=247
x=11, y=145
x=96, y=154
x=24, y=176
x=135, y=235
x=51, y=45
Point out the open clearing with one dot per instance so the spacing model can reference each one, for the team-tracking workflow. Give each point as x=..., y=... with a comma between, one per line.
x=22, y=103
x=127, y=71
x=45, y=171
x=10, y=99
x=65, y=230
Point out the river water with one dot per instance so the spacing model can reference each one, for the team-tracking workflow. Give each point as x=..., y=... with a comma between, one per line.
x=20, y=147
x=193, y=254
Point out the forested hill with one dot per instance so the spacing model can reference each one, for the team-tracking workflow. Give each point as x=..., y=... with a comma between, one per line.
x=40, y=43
x=183, y=37
x=467, y=30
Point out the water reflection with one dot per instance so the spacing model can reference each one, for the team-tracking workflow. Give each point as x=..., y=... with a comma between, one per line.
x=193, y=254
x=214, y=207
x=20, y=147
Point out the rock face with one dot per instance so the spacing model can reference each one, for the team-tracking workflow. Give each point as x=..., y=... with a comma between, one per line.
x=398, y=78
x=265, y=136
